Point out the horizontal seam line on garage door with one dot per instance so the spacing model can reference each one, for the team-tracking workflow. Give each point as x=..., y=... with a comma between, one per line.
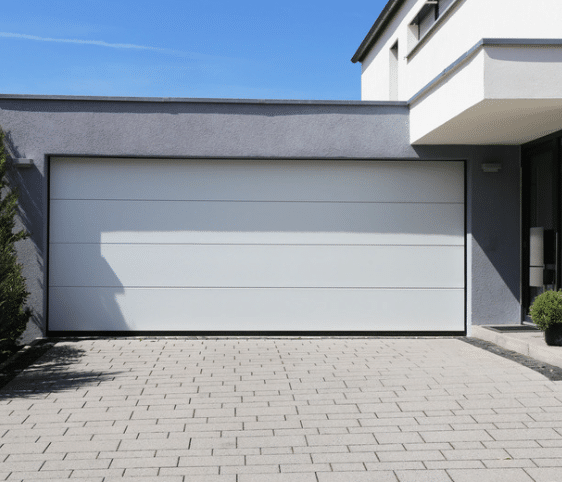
x=263, y=287
x=256, y=201
x=128, y=243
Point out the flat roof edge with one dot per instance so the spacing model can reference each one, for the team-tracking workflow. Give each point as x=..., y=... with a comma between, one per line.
x=193, y=100
x=380, y=24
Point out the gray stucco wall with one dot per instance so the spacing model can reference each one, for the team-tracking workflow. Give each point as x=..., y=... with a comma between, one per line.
x=37, y=127
x=493, y=230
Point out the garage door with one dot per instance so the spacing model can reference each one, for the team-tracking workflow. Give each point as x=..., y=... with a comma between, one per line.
x=255, y=245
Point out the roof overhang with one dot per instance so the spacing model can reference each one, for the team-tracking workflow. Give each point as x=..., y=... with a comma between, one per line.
x=502, y=91
x=377, y=29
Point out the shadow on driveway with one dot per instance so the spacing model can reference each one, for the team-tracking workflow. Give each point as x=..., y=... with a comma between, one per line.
x=45, y=368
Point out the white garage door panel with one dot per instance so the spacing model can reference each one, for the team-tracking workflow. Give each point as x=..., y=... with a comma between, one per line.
x=235, y=245
x=240, y=222
x=143, y=265
x=255, y=309
x=259, y=180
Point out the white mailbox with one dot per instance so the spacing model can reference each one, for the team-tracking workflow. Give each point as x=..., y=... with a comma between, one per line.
x=536, y=257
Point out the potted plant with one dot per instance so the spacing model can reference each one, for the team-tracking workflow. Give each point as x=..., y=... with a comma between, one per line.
x=546, y=313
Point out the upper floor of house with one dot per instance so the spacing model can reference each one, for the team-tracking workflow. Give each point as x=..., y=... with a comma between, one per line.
x=468, y=67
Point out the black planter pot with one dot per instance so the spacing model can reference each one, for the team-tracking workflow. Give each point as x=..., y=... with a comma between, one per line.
x=553, y=335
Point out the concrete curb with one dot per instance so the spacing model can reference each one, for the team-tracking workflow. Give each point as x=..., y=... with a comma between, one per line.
x=529, y=343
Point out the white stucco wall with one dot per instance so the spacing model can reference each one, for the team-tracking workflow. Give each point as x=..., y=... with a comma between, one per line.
x=375, y=67
x=501, y=94
x=526, y=72
x=468, y=22
x=453, y=97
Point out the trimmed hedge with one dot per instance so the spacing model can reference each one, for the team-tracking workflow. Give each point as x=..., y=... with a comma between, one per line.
x=14, y=315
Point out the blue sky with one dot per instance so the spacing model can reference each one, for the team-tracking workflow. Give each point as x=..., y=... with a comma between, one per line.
x=192, y=48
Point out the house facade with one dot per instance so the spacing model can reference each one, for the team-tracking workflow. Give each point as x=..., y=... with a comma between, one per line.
x=427, y=207
x=472, y=72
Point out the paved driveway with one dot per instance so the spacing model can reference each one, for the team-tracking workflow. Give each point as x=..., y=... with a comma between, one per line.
x=285, y=409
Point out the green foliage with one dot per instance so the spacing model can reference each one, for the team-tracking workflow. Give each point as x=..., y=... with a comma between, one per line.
x=547, y=309
x=13, y=293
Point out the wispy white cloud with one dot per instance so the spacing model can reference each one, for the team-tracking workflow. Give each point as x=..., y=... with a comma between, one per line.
x=99, y=43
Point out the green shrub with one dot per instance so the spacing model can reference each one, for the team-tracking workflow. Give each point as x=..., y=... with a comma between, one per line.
x=13, y=293
x=547, y=309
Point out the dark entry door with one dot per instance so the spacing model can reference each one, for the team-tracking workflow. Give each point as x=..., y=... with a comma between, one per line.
x=541, y=221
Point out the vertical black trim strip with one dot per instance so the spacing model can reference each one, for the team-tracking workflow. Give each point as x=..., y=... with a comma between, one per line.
x=466, y=250
x=525, y=229
x=48, y=244
x=557, y=210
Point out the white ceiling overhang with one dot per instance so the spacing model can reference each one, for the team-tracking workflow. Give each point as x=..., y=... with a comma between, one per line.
x=502, y=91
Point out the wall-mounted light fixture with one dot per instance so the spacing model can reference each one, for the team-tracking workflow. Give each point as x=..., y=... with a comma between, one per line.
x=491, y=166
x=22, y=162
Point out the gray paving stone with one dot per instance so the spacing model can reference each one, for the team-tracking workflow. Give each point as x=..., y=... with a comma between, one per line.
x=277, y=441
x=489, y=475
x=22, y=448
x=398, y=437
x=476, y=454
x=287, y=477
x=428, y=446
x=279, y=459
x=429, y=406
x=534, y=453
x=343, y=439
x=474, y=426
x=227, y=409
x=344, y=457
x=324, y=423
x=181, y=471
x=422, y=476
x=50, y=476
x=512, y=444
x=385, y=466
x=410, y=456
x=226, y=442
x=376, y=448
x=320, y=449
x=178, y=478
x=213, y=460
x=22, y=457
x=349, y=467
x=550, y=443
x=455, y=436
x=454, y=464
x=154, y=444
x=329, y=408
x=183, y=452
x=550, y=462
x=195, y=425
x=377, y=408
x=143, y=472
x=524, y=434
x=379, y=476
x=250, y=469
x=287, y=432
x=494, y=464
x=388, y=421
x=261, y=411
x=292, y=468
